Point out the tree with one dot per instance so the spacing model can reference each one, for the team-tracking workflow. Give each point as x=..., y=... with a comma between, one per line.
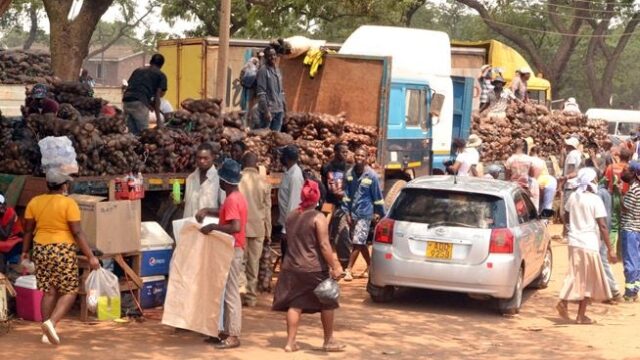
x=20, y=12
x=548, y=33
x=4, y=5
x=70, y=38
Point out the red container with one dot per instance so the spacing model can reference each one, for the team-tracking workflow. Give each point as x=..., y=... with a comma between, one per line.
x=126, y=190
x=28, y=298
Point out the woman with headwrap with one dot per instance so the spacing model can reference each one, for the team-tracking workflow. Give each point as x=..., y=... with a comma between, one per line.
x=309, y=261
x=585, y=279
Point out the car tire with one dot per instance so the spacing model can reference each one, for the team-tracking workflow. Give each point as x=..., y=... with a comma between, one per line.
x=512, y=305
x=392, y=189
x=380, y=294
x=542, y=281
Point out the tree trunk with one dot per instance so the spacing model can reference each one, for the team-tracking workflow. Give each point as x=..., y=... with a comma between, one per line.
x=70, y=39
x=33, y=29
x=4, y=5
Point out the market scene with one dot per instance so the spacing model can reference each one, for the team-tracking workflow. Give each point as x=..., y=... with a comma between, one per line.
x=368, y=179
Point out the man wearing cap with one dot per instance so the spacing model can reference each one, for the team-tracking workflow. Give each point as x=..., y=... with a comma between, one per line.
x=39, y=102
x=233, y=217
x=290, y=187
x=485, y=86
x=630, y=235
x=500, y=97
x=52, y=221
x=10, y=233
x=519, y=84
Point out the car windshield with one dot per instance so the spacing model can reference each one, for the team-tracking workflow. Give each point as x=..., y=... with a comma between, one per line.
x=449, y=208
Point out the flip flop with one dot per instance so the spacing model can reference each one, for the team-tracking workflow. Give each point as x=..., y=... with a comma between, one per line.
x=333, y=348
x=586, y=321
x=562, y=311
x=227, y=344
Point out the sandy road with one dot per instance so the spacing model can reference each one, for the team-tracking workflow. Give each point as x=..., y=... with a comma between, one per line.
x=416, y=325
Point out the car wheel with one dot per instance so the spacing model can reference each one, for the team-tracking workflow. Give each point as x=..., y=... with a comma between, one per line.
x=512, y=306
x=542, y=281
x=380, y=294
x=392, y=190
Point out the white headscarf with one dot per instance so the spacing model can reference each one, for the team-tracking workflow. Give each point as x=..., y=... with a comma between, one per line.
x=585, y=180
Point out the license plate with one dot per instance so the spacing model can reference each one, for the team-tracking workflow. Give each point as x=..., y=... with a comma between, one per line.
x=438, y=250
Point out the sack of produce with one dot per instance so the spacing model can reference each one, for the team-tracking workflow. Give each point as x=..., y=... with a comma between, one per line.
x=58, y=153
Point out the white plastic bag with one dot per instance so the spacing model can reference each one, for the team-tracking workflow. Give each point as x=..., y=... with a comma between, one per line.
x=58, y=153
x=101, y=282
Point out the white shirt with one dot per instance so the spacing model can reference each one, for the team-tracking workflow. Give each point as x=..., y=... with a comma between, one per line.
x=289, y=193
x=468, y=158
x=573, y=158
x=206, y=195
x=584, y=208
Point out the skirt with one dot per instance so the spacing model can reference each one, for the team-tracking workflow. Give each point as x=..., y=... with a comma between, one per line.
x=586, y=277
x=295, y=290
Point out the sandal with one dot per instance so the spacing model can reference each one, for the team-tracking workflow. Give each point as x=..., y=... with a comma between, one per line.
x=585, y=321
x=294, y=348
x=563, y=311
x=227, y=344
x=333, y=347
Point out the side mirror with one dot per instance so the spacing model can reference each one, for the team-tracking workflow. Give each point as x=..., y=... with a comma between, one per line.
x=547, y=214
x=437, y=101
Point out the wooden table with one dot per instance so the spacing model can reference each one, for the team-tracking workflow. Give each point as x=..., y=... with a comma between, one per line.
x=131, y=283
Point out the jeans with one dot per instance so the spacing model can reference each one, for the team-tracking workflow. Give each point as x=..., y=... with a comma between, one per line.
x=137, y=116
x=276, y=121
x=631, y=261
x=548, y=194
x=607, y=269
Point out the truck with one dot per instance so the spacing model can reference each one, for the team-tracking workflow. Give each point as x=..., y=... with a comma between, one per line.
x=468, y=57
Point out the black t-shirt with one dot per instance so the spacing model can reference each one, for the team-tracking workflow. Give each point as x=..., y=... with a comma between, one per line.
x=334, y=172
x=143, y=84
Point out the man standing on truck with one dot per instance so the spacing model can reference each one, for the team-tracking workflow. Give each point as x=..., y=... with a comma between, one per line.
x=202, y=189
x=333, y=178
x=146, y=86
x=271, y=102
x=485, y=86
x=519, y=84
x=363, y=204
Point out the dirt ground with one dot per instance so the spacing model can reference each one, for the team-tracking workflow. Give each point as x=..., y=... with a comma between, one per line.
x=416, y=325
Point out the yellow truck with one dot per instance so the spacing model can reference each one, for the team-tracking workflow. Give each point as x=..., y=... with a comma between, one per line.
x=468, y=57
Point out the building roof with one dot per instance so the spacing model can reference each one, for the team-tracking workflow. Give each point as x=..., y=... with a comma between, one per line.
x=116, y=53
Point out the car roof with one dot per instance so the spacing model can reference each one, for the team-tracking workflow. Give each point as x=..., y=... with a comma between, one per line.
x=464, y=184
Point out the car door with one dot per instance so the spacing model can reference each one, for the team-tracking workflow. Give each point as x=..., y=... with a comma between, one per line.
x=525, y=233
x=538, y=234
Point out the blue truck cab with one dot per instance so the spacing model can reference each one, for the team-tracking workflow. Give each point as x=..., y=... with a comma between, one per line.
x=427, y=107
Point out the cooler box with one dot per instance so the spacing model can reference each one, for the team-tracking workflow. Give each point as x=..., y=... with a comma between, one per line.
x=156, y=250
x=154, y=289
x=28, y=298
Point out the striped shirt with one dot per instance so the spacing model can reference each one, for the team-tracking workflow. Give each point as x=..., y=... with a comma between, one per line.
x=631, y=213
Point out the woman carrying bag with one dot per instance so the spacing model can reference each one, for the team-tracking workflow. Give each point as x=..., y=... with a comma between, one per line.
x=52, y=221
x=308, y=263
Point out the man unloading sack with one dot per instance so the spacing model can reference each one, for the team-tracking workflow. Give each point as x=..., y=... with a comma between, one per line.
x=145, y=88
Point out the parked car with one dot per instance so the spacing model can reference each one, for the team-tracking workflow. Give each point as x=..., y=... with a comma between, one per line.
x=477, y=236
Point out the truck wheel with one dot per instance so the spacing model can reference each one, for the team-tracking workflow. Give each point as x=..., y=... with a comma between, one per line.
x=512, y=306
x=542, y=281
x=380, y=294
x=392, y=190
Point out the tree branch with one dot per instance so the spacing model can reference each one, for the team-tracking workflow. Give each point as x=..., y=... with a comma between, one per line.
x=33, y=28
x=121, y=32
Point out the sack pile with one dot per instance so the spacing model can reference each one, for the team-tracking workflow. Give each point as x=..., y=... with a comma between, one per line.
x=20, y=67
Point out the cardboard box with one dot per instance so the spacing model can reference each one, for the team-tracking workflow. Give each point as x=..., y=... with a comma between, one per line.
x=112, y=227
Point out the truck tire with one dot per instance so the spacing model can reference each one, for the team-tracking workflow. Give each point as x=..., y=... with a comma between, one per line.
x=392, y=190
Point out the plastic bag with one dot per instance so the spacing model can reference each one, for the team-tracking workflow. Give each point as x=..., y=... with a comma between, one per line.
x=328, y=292
x=58, y=153
x=101, y=284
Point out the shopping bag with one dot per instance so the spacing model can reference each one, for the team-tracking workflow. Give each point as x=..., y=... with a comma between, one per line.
x=328, y=292
x=102, y=287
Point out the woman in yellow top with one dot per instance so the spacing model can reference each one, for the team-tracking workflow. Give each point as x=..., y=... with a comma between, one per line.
x=54, y=219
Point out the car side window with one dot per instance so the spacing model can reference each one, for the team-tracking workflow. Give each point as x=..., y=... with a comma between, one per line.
x=533, y=213
x=522, y=210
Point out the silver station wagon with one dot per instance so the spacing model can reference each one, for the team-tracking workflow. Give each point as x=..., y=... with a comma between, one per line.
x=470, y=235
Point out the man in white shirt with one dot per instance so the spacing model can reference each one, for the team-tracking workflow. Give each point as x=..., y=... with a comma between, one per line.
x=290, y=187
x=202, y=189
x=467, y=159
